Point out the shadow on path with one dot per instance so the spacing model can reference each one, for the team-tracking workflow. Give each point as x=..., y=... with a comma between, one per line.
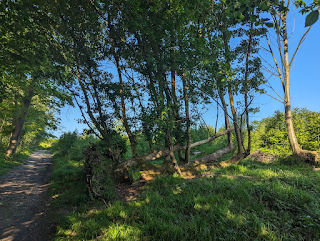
x=24, y=200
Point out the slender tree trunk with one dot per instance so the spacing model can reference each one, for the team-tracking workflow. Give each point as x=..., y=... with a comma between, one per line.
x=175, y=103
x=124, y=120
x=236, y=127
x=186, y=103
x=123, y=117
x=18, y=123
x=230, y=147
x=305, y=155
x=246, y=90
x=287, y=101
x=226, y=117
x=233, y=110
x=101, y=128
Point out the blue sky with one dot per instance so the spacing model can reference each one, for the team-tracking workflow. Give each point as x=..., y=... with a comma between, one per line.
x=305, y=80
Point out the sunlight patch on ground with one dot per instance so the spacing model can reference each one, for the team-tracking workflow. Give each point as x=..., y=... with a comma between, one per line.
x=121, y=232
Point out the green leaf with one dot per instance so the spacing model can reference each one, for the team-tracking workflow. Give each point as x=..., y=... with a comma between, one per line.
x=253, y=18
x=312, y=18
x=270, y=25
x=263, y=6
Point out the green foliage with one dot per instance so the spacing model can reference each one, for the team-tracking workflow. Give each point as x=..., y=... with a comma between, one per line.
x=116, y=141
x=134, y=174
x=270, y=134
x=71, y=144
x=39, y=120
x=68, y=185
x=313, y=15
x=48, y=143
x=66, y=142
x=312, y=18
x=6, y=165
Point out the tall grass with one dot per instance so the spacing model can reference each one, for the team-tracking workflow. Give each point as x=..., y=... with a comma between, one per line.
x=280, y=202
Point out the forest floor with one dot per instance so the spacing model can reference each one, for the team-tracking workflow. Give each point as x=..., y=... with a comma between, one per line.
x=24, y=200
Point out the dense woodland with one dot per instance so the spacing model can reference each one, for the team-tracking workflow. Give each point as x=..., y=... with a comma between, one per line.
x=142, y=73
x=144, y=69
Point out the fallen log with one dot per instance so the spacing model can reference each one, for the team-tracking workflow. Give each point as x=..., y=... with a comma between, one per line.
x=137, y=161
x=214, y=156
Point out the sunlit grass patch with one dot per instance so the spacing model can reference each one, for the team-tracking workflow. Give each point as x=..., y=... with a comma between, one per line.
x=121, y=232
x=281, y=202
x=6, y=166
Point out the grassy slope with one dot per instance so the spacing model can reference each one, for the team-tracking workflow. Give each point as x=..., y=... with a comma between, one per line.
x=280, y=203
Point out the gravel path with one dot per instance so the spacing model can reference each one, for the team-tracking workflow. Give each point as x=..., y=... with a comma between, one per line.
x=24, y=201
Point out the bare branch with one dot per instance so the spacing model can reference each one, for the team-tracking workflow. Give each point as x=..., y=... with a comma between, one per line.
x=300, y=42
x=275, y=61
x=274, y=97
x=270, y=86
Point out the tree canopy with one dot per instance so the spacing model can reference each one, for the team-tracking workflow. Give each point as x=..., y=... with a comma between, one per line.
x=148, y=68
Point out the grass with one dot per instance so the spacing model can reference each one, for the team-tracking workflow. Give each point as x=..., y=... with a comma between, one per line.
x=7, y=164
x=280, y=203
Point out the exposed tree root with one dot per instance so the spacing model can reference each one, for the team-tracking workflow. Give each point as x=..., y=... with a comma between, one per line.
x=234, y=160
x=315, y=168
x=308, y=156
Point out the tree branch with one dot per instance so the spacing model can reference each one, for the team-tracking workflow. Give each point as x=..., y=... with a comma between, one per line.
x=275, y=61
x=300, y=42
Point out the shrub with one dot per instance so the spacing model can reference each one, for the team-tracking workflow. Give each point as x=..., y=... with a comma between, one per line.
x=98, y=173
x=270, y=134
x=66, y=142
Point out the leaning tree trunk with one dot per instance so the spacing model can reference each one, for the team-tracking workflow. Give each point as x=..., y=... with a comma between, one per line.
x=226, y=117
x=233, y=110
x=305, y=155
x=287, y=102
x=230, y=147
x=18, y=123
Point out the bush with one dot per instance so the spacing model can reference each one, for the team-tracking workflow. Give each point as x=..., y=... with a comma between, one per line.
x=71, y=144
x=66, y=142
x=117, y=143
x=98, y=171
x=270, y=134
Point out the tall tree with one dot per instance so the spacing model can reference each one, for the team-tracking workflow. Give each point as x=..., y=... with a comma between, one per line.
x=26, y=65
x=279, y=15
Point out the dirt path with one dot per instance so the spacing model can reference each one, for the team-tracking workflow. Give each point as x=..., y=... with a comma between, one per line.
x=24, y=200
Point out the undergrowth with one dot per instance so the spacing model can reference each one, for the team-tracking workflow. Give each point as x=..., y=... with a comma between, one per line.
x=281, y=202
